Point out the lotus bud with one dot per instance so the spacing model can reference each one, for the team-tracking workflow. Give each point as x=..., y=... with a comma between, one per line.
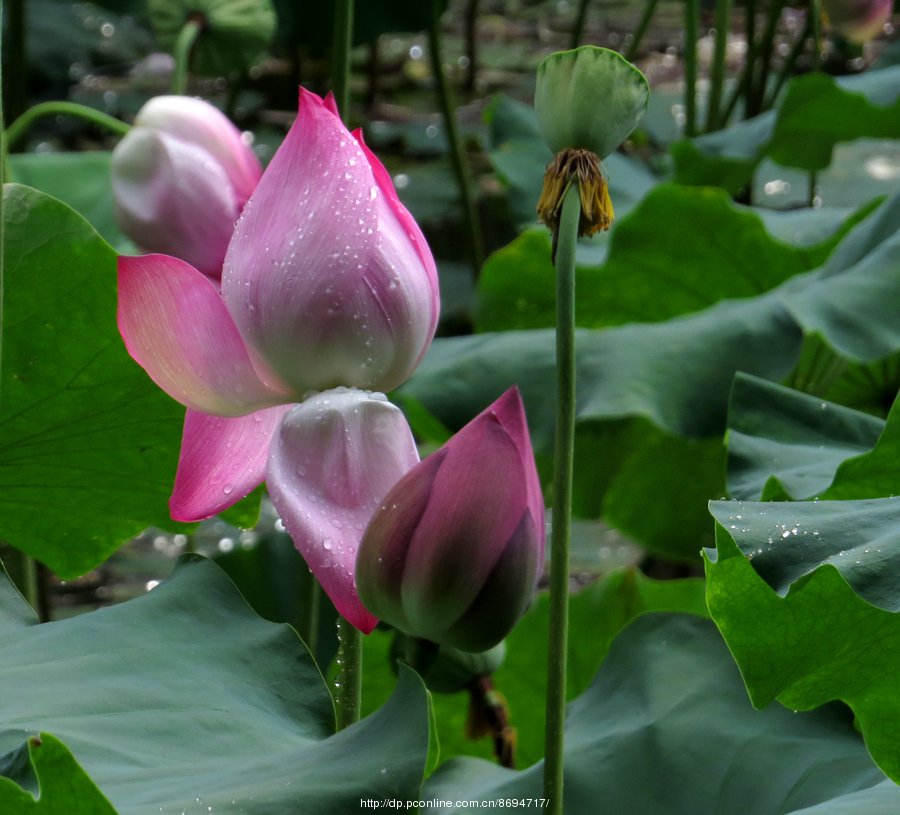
x=328, y=277
x=180, y=178
x=858, y=20
x=587, y=101
x=454, y=550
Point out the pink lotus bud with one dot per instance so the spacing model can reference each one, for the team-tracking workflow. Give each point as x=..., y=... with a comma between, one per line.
x=180, y=179
x=333, y=459
x=328, y=277
x=858, y=20
x=453, y=552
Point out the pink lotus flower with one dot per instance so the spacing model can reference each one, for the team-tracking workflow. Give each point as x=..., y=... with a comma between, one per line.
x=454, y=551
x=180, y=179
x=858, y=20
x=327, y=281
x=333, y=459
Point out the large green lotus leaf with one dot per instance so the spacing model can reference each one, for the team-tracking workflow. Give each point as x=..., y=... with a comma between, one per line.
x=665, y=727
x=851, y=300
x=88, y=444
x=875, y=472
x=816, y=113
x=622, y=371
x=184, y=700
x=819, y=111
x=80, y=180
x=48, y=781
x=596, y=614
x=790, y=443
x=651, y=253
x=789, y=542
x=806, y=596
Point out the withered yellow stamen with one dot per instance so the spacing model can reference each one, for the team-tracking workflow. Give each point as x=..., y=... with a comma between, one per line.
x=584, y=167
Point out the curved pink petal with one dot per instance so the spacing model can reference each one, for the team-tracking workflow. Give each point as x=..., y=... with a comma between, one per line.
x=392, y=211
x=178, y=330
x=320, y=278
x=197, y=122
x=173, y=197
x=334, y=458
x=442, y=581
x=222, y=460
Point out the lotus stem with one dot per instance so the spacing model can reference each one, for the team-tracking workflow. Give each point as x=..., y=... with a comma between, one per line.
x=471, y=28
x=21, y=125
x=790, y=63
x=182, y=53
x=643, y=24
x=578, y=28
x=691, y=24
x=348, y=682
x=457, y=152
x=340, y=54
x=720, y=56
x=557, y=646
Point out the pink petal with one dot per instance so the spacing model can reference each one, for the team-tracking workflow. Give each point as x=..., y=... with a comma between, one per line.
x=222, y=460
x=320, y=278
x=199, y=123
x=478, y=499
x=178, y=330
x=393, y=212
x=173, y=197
x=334, y=458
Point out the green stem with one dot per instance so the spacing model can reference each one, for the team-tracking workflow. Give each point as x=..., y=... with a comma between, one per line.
x=457, y=152
x=691, y=24
x=471, y=29
x=182, y=53
x=340, y=54
x=643, y=24
x=717, y=75
x=787, y=69
x=578, y=28
x=750, y=25
x=757, y=93
x=557, y=646
x=21, y=125
x=348, y=682
x=815, y=17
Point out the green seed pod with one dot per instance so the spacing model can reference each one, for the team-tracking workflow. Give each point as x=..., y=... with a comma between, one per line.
x=233, y=33
x=590, y=98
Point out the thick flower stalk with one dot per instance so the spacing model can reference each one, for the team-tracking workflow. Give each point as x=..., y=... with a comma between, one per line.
x=180, y=179
x=453, y=553
x=327, y=282
x=587, y=101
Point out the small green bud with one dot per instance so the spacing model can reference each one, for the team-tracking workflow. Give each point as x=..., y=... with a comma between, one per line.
x=233, y=33
x=590, y=98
